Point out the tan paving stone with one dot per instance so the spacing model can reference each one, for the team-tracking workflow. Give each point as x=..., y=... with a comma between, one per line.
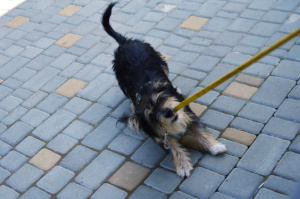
x=69, y=10
x=194, y=23
x=16, y=22
x=129, y=176
x=239, y=136
x=250, y=80
x=1, y=80
x=71, y=87
x=239, y=90
x=68, y=40
x=198, y=109
x=45, y=159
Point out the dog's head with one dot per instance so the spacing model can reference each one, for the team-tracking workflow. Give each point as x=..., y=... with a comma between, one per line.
x=156, y=111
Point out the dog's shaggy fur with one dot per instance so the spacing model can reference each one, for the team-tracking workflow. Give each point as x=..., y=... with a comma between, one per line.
x=143, y=77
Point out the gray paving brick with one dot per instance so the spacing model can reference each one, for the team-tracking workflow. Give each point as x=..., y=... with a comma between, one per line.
x=295, y=93
x=281, y=128
x=184, y=84
x=24, y=177
x=261, y=5
x=222, y=164
x=273, y=91
x=78, y=129
x=15, y=133
x=3, y=114
x=216, y=119
x=63, y=61
x=288, y=166
x=35, y=193
x=11, y=83
x=180, y=194
x=97, y=87
x=22, y=93
x=202, y=183
x=228, y=104
x=218, y=195
x=149, y=154
x=13, y=160
x=4, y=148
x=280, y=184
x=34, y=117
x=108, y=190
x=12, y=66
x=137, y=17
x=235, y=58
x=79, y=157
x=229, y=39
x=238, y=179
x=154, y=16
x=208, y=98
x=217, y=24
x=4, y=91
x=40, y=79
x=14, y=115
x=292, y=54
x=52, y=103
x=257, y=112
x=99, y=169
x=62, y=143
x=260, y=70
x=264, y=154
x=291, y=24
x=31, y=52
x=163, y=180
x=184, y=57
x=53, y=84
x=13, y=51
x=39, y=62
x=234, y=148
x=53, y=125
x=136, y=135
x=30, y=146
x=204, y=63
x=287, y=69
x=8, y=193
x=168, y=24
x=175, y=41
x=247, y=125
x=209, y=9
x=71, y=70
x=95, y=114
x=103, y=134
x=147, y=193
x=54, y=51
x=266, y=194
x=77, y=105
x=289, y=110
x=3, y=174
x=56, y=179
x=92, y=53
x=295, y=146
x=125, y=144
x=74, y=190
x=113, y=97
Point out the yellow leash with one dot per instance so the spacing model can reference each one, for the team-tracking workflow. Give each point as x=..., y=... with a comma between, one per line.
x=237, y=70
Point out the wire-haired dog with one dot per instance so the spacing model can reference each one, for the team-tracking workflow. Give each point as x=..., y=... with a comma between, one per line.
x=143, y=77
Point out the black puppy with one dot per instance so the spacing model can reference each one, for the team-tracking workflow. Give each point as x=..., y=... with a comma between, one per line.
x=143, y=77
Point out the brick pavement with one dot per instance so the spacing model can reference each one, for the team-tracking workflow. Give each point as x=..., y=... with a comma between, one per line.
x=59, y=99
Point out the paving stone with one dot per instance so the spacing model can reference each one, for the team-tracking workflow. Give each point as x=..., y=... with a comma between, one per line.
x=198, y=109
x=99, y=169
x=78, y=129
x=74, y=190
x=287, y=69
x=250, y=80
x=239, y=90
x=107, y=190
x=280, y=184
x=256, y=112
x=281, y=128
x=295, y=93
x=63, y=61
x=53, y=84
x=45, y=159
x=149, y=154
x=198, y=42
x=4, y=92
x=194, y=23
x=69, y=10
x=288, y=166
x=238, y=179
x=62, y=143
x=16, y=22
x=260, y=70
x=175, y=41
x=247, y=125
x=22, y=93
x=38, y=63
x=229, y=39
x=180, y=194
x=239, y=136
x=40, y=79
x=217, y=24
x=13, y=51
x=35, y=193
x=235, y=58
x=52, y=103
x=168, y=24
x=129, y=176
x=125, y=144
x=8, y=193
x=34, y=117
x=57, y=178
x=77, y=105
x=263, y=155
x=202, y=183
x=147, y=193
x=218, y=195
x=228, y=104
x=12, y=161
x=234, y=148
x=184, y=84
x=31, y=52
x=30, y=146
x=184, y=57
x=15, y=133
x=216, y=119
x=209, y=9
x=204, y=63
x=14, y=115
x=10, y=103
x=113, y=97
x=71, y=87
x=4, y=148
x=266, y=193
x=295, y=146
x=53, y=125
x=289, y=110
x=24, y=177
x=134, y=134
x=95, y=114
x=3, y=174
x=222, y=164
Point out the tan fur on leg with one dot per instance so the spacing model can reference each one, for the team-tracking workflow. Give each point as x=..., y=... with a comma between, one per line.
x=180, y=158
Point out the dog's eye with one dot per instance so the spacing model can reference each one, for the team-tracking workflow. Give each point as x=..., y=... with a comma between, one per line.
x=169, y=113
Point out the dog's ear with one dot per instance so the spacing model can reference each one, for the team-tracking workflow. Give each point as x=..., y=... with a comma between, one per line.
x=133, y=121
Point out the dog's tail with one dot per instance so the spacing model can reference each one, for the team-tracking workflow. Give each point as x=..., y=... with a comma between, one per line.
x=105, y=22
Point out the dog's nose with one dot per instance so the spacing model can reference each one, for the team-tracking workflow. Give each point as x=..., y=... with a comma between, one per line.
x=169, y=113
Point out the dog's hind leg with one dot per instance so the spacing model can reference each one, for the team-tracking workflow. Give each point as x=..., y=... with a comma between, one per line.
x=201, y=139
x=181, y=159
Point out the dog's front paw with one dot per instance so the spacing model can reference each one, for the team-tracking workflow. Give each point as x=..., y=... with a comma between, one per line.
x=218, y=148
x=184, y=169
